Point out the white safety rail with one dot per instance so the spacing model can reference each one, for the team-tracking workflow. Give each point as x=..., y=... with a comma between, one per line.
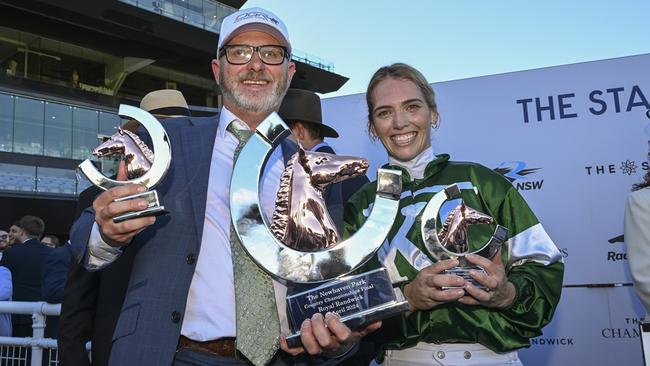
x=14, y=350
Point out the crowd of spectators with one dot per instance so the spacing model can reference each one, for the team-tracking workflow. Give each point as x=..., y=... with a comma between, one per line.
x=31, y=269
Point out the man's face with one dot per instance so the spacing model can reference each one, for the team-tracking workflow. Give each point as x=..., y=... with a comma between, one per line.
x=15, y=233
x=253, y=87
x=4, y=240
x=48, y=242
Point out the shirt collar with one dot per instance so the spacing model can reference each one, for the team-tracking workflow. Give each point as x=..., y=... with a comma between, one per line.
x=416, y=166
x=225, y=118
x=319, y=145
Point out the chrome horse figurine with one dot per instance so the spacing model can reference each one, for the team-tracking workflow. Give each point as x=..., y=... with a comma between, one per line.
x=301, y=220
x=453, y=234
x=137, y=155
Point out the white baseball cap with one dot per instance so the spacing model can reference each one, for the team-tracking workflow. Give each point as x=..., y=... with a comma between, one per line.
x=253, y=19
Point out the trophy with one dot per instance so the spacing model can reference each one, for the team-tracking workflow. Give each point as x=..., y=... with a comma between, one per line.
x=141, y=166
x=300, y=244
x=452, y=240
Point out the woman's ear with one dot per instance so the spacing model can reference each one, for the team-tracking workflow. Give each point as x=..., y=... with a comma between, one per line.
x=373, y=132
x=434, y=119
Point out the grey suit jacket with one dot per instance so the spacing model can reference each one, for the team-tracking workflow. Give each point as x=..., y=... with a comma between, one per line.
x=149, y=325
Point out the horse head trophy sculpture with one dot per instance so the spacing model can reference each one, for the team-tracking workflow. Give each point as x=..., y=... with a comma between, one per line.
x=301, y=220
x=301, y=244
x=142, y=167
x=452, y=240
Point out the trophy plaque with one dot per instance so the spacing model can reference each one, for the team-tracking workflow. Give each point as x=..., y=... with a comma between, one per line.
x=452, y=240
x=142, y=167
x=300, y=243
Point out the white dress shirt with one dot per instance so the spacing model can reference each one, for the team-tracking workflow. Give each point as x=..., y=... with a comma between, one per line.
x=210, y=311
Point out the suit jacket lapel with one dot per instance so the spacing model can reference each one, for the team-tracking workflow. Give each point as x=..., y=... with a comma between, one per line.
x=198, y=142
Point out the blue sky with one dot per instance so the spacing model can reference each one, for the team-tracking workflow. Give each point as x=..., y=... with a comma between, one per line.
x=449, y=40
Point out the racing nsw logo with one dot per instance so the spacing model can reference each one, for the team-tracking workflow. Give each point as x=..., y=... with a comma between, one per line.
x=616, y=255
x=520, y=176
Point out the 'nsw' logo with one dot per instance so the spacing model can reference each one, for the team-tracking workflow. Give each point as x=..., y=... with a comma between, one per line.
x=517, y=173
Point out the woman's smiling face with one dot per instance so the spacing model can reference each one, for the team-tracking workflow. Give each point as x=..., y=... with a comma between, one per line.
x=401, y=118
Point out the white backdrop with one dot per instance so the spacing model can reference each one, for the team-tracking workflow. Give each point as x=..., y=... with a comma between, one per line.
x=573, y=137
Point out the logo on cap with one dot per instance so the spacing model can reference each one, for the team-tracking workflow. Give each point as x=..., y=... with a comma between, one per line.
x=256, y=14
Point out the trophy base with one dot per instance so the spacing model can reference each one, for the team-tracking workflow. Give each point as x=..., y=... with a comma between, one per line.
x=361, y=319
x=464, y=273
x=359, y=300
x=154, y=208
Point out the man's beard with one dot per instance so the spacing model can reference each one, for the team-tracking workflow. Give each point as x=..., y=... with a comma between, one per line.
x=251, y=102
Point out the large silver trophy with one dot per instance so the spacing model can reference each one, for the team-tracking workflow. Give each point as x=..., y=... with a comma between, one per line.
x=452, y=240
x=141, y=165
x=300, y=243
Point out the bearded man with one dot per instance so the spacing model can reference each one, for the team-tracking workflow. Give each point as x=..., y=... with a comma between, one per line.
x=182, y=305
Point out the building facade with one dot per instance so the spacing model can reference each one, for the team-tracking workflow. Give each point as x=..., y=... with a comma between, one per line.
x=67, y=65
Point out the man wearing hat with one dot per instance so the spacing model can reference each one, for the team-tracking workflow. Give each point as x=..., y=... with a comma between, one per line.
x=194, y=297
x=301, y=109
x=163, y=103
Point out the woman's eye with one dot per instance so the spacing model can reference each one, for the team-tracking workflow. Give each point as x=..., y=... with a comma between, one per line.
x=413, y=107
x=382, y=114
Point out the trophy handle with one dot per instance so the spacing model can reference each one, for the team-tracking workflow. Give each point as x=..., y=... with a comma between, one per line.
x=270, y=254
x=161, y=146
x=429, y=230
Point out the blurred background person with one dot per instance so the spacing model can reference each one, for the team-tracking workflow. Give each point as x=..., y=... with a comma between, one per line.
x=637, y=235
x=6, y=290
x=14, y=233
x=12, y=68
x=301, y=110
x=4, y=241
x=51, y=241
x=75, y=79
x=26, y=261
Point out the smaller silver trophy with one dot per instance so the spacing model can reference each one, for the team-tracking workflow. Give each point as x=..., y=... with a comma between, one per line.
x=452, y=241
x=142, y=167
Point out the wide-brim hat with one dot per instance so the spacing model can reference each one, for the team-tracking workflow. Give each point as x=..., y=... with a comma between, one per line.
x=304, y=106
x=164, y=103
x=253, y=19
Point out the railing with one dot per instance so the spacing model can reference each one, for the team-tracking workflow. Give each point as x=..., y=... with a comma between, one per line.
x=206, y=14
x=312, y=60
x=37, y=343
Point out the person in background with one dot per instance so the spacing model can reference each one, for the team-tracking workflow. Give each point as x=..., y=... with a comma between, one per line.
x=162, y=104
x=637, y=236
x=4, y=241
x=12, y=68
x=6, y=290
x=301, y=109
x=451, y=320
x=75, y=79
x=51, y=241
x=14, y=231
x=26, y=261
